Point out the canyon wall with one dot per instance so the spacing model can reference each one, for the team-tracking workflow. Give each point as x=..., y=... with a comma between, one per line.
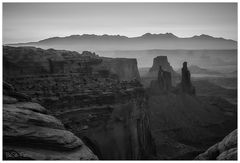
x=20, y=61
x=125, y=68
x=110, y=115
x=152, y=74
x=30, y=133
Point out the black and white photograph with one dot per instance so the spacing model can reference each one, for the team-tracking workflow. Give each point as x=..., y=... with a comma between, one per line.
x=117, y=81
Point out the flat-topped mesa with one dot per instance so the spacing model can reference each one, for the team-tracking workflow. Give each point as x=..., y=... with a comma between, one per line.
x=161, y=61
x=125, y=68
x=163, y=84
x=186, y=84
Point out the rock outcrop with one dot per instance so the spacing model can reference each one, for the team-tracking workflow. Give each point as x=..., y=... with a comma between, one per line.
x=163, y=83
x=19, y=61
x=224, y=150
x=182, y=123
x=186, y=84
x=30, y=133
x=125, y=68
x=122, y=118
x=105, y=106
x=163, y=62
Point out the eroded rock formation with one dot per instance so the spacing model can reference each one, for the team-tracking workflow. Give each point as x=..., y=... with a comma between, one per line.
x=163, y=62
x=125, y=68
x=18, y=61
x=30, y=133
x=163, y=83
x=224, y=150
x=186, y=84
x=110, y=115
x=182, y=123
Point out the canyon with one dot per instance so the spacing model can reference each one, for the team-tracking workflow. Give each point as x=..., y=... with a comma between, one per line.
x=184, y=121
x=106, y=107
x=117, y=114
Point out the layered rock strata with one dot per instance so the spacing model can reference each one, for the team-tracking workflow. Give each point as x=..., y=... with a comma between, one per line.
x=224, y=150
x=30, y=133
x=109, y=114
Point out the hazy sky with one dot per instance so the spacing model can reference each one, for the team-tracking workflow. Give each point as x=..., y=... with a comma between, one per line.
x=25, y=22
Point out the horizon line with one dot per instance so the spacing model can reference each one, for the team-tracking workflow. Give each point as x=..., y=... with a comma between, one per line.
x=92, y=34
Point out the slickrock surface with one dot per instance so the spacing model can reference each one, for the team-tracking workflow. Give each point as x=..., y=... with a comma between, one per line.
x=30, y=133
x=224, y=150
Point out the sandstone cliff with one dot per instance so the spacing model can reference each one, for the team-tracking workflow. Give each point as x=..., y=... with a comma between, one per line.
x=224, y=150
x=163, y=84
x=163, y=62
x=115, y=124
x=125, y=68
x=30, y=133
x=35, y=61
x=110, y=115
x=18, y=61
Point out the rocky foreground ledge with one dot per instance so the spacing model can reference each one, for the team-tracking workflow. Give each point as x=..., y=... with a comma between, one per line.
x=30, y=133
x=224, y=150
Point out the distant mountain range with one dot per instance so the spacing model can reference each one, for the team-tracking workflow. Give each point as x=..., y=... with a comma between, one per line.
x=117, y=42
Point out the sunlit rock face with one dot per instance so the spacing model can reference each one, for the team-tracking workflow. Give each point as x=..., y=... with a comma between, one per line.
x=224, y=150
x=30, y=133
x=103, y=104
